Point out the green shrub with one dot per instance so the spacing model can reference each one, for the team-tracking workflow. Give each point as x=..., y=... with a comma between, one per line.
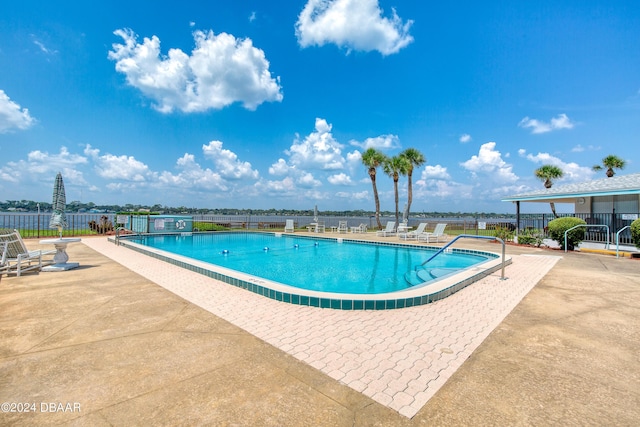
x=635, y=233
x=503, y=233
x=207, y=226
x=559, y=226
x=531, y=237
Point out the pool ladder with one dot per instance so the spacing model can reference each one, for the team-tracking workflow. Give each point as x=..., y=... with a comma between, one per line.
x=447, y=249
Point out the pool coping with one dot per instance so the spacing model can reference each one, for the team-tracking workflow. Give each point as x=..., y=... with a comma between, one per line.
x=414, y=296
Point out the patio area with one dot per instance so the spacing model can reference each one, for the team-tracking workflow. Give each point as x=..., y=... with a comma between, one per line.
x=129, y=340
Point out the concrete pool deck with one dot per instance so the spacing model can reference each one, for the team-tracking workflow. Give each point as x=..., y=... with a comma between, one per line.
x=110, y=337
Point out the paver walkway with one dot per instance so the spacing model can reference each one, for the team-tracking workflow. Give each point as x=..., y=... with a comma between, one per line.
x=399, y=358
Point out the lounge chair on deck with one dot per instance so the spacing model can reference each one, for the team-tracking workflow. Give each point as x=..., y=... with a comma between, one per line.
x=342, y=227
x=389, y=230
x=3, y=258
x=414, y=234
x=17, y=257
x=288, y=226
x=362, y=228
x=438, y=232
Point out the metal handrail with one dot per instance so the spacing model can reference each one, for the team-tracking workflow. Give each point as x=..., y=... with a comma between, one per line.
x=471, y=236
x=618, y=239
x=585, y=225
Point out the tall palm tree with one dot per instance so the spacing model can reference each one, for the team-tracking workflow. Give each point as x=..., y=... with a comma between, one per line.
x=415, y=159
x=373, y=158
x=611, y=162
x=548, y=173
x=394, y=167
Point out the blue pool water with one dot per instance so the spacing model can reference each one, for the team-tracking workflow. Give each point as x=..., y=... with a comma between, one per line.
x=325, y=265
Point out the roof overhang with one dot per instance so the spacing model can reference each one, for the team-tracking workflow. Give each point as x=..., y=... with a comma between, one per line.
x=566, y=198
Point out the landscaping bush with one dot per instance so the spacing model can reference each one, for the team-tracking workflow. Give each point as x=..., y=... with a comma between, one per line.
x=503, y=233
x=531, y=237
x=559, y=226
x=635, y=233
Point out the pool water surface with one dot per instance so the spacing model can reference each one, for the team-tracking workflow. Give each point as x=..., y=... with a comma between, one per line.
x=323, y=265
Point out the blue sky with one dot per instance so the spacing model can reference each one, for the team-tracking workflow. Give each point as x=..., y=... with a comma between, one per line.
x=254, y=104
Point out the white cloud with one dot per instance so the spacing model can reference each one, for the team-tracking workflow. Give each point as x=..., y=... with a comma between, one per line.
x=537, y=126
x=192, y=175
x=227, y=162
x=359, y=195
x=435, y=172
x=43, y=166
x=465, y=137
x=280, y=168
x=579, y=148
x=252, y=16
x=353, y=24
x=572, y=171
x=12, y=116
x=340, y=179
x=125, y=168
x=318, y=150
x=306, y=180
x=382, y=142
x=221, y=70
x=490, y=165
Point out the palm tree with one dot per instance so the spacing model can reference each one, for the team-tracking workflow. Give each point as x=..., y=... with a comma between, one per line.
x=415, y=159
x=547, y=173
x=611, y=162
x=394, y=167
x=373, y=158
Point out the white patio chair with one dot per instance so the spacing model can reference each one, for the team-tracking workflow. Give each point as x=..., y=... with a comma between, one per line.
x=288, y=226
x=438, y=232
x=413, y=234
x=389, y=230
x=18, y=258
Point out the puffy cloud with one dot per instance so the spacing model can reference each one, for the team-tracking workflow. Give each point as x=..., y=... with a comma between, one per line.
x=435, y=172
x=192, y=175
x=352, y=24
x=572, y=171
x=125, y=168
x=12, y=116
x=221, y=70
x=489, y=163
x=537, y=126
x=465, y=137
x=41, y=165
x=306, y=180
x=280, y=168
x=227, y=162
x=382, y=142
x=340, y=179
x=318, y=150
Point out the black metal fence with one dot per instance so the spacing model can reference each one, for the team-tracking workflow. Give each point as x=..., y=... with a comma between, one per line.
x=34, y=225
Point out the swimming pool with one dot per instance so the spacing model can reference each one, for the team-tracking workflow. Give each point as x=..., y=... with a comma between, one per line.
x=324, y=272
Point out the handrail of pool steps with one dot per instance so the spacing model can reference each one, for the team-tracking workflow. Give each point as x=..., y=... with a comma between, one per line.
x=589, y=226
x=618, y=240
x=470, y=236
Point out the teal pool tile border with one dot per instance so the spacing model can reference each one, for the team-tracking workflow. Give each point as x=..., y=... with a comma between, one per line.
x=322, y=301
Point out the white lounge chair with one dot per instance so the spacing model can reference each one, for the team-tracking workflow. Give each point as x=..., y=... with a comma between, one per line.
x=342, y=227
x=18, y=258
x=389, y=230
x=413, y=235
x=438, y=232
x=362, y=228
x=3, y=258
x=288, y=226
